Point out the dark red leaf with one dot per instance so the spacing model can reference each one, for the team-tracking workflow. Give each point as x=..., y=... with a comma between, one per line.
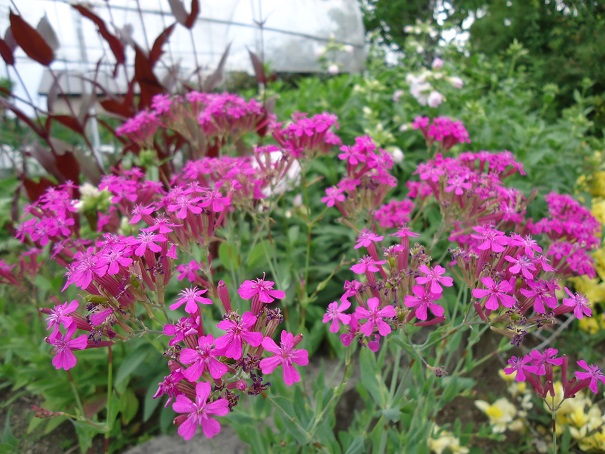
x=178, y=10
x=31, y=41
x=6, y=53
x=195, y=10
x=114, y=42
x=35, y=189
x=215, y=79
x=46, y=159
x=156, y=50
x=69, y=121
x=121, y=106
x=144, y=76
x=259, y=69
x=68, y=166
x=47, y=32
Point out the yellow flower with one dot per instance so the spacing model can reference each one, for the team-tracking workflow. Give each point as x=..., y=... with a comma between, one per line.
x=598, y=210
x=501, y=414
x=442, y=439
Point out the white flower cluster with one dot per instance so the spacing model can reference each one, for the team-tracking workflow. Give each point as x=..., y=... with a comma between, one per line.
x=422, y=85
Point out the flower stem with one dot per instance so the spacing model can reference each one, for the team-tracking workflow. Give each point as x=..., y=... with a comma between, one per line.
x=109, y=421
x=76, y=394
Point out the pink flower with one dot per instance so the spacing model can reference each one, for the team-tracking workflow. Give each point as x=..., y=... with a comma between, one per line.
x=490, y=239
x=375, y=317
x=423, y=300
x=60, y=316
x=579, y=303
x=335, y=314
x=202, y=358
x=237, y=331
x=63, y=346
x=199, y=412
x=594, y=374
x=190, y=297
x=261, y=289
x=366, y=238
x=367, y=264
x=520, y=365
x=541, y=359
x=333, y=195
x=495, y=293
x=284, y=355
x=435, y=278
x=188, y=270
x=521, y=265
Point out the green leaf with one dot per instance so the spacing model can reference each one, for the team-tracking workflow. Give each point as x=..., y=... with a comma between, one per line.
x=256, y=256
x=228, y=255
x=129, y=405
x=129, y=365
x=150, y=404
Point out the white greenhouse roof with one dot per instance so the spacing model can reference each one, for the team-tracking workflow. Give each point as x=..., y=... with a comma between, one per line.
x=289, y=34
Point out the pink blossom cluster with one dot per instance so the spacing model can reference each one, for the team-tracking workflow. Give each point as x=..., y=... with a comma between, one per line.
x=510, y=280
x=367, y=180
x=394, y=214
x=306, y=136
x=442, y=130
x=537, y=369
x=208, y=374
x=219, y=116
x=573, y=232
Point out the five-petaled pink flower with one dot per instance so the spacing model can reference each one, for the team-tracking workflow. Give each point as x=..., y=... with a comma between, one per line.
x=541, y=359
x=375, y=317
x=199, y=412
x=366, y=238
x=579, y=303
x=367, y=263
x=190, y=297
x=521, y=365
x=202, y=358
x=231, y=343
x=335, y=313
x=60, y=316
x=594, y=374
x=423, y=300
x=261, y=289
x=435, y=277
x=63, y=346
x=284, y=355
x=495, y=293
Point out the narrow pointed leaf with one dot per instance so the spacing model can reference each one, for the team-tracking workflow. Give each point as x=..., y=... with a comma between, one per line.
x=32, y=43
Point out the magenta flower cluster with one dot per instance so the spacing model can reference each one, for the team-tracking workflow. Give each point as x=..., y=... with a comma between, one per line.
x=537, y=369
x=442, y=130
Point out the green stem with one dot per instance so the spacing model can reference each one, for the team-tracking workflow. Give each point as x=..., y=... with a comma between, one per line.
x=76, y=394
x=109, y=422
x=337, y=393
x=554, y=427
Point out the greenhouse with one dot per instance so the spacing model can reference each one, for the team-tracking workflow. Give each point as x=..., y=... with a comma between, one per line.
x=335, y=226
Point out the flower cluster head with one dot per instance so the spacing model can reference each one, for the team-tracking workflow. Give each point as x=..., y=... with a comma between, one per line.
x=427, y=85
x=367, y=180
x=208, y=373
x=306, y=137
x=219, y=116
x=442, y=130
x=537, y=368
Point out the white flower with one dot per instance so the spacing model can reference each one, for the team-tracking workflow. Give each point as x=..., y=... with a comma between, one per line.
x=397, y=95
x=396, y=154
x=456, y=82
x=88, y=190
x=435, y=98
x=333, y=69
